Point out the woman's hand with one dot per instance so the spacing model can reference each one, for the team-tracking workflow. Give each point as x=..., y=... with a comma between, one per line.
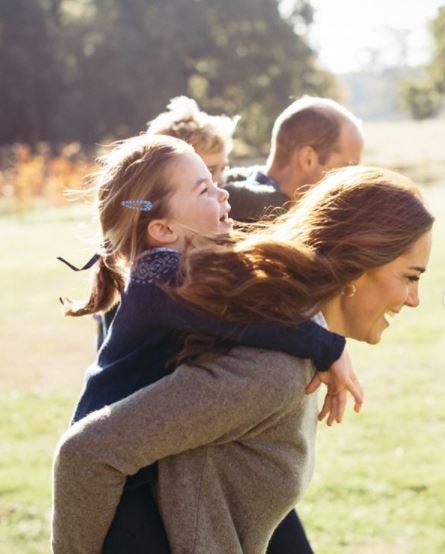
x=339, y=379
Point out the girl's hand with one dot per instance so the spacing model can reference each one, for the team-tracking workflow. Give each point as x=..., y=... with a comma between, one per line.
x=339, y=379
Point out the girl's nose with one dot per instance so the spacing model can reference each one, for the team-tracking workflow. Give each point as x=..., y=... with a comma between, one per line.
x=223, y=195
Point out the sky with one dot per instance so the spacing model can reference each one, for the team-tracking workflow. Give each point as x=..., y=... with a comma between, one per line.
x=351, y=34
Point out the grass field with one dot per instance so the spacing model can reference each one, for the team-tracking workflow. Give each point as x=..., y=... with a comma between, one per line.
x=379, y=485
x=43, y=358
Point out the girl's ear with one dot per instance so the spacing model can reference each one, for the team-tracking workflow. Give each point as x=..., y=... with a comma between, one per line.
x=160, y=233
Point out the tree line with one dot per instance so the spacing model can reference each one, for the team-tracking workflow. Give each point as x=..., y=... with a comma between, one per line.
x=424, y=97
x=87, y=70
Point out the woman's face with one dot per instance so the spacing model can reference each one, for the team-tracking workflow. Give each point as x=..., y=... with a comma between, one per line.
x=380, y=294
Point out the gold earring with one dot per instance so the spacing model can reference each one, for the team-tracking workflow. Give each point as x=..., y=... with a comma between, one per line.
x=349, y=291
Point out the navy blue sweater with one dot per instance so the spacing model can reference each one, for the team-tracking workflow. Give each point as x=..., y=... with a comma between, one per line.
x=147, y=331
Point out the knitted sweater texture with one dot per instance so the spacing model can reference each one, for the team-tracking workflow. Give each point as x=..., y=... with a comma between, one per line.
x=234, y=440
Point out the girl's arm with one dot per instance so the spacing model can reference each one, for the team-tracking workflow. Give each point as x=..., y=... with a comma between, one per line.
x=149, y=304
x=194, y=406
x=306, y=340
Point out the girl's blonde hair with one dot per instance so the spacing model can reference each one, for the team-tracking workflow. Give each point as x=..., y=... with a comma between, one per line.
x=134, y=170
x=354, y=220
x=208, y=134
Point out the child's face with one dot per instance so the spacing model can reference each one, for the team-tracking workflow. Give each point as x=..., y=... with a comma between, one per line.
x=216, y=164
x=198, y=204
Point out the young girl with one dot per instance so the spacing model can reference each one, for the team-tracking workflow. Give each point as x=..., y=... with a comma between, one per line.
x=154, y=194
x=210, y=136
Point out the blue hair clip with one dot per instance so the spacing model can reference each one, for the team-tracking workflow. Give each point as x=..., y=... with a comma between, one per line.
x=141, y=205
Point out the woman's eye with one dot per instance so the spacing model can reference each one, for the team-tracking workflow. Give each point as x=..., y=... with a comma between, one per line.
x=413, y=278
x=204, y=191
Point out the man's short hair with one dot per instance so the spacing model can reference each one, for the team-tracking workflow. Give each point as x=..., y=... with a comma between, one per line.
x=309, y=121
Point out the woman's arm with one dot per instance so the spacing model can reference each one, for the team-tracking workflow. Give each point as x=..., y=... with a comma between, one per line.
x=194, y=406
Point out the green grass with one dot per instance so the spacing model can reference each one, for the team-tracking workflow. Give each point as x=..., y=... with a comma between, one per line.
x=44, y=357
x=379, y=485
x=413, y=147
x=40, y=348
x=31, y=423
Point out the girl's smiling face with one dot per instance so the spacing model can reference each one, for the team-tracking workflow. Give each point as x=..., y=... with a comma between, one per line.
x=380, y=294
x=197, y=204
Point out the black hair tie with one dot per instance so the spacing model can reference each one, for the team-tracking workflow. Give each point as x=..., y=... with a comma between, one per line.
x=89, y=263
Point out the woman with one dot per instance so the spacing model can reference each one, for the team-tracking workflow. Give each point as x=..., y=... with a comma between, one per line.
x=234, y=433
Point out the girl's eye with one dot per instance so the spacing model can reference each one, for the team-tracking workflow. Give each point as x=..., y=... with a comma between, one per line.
x=204, y=191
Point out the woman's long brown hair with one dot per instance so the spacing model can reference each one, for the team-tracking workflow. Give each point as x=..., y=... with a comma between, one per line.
x=355, y=219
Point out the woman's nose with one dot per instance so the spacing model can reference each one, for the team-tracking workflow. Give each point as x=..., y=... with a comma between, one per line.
x=413, y=299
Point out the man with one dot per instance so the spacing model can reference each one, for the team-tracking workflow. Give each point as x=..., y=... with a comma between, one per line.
x=310, y=137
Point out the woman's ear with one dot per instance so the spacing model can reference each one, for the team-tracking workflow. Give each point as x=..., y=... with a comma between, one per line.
x=160, y=233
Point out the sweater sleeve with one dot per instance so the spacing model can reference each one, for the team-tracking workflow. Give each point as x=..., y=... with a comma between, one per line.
x=147, y=305
x=306, y=340
x=195, y=406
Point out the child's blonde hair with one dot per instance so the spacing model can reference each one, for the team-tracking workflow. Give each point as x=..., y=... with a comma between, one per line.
x=133, y=188
x=208, y=134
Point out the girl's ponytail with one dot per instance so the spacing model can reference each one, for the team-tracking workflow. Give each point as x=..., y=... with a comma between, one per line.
x=132, y=187
x=108, y=284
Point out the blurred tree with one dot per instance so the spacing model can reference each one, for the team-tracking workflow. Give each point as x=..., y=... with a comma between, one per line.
x=437, y=65
x=30, y=76
x=424, y=98
x=420, y=99
x=255, y=63
x=104, y=67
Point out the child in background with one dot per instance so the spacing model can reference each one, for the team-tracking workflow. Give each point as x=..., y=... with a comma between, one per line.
x=210, y=135
x=154, y=194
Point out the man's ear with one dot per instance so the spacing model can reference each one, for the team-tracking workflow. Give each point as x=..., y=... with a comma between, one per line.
x=160, y=233
x=307, y=159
